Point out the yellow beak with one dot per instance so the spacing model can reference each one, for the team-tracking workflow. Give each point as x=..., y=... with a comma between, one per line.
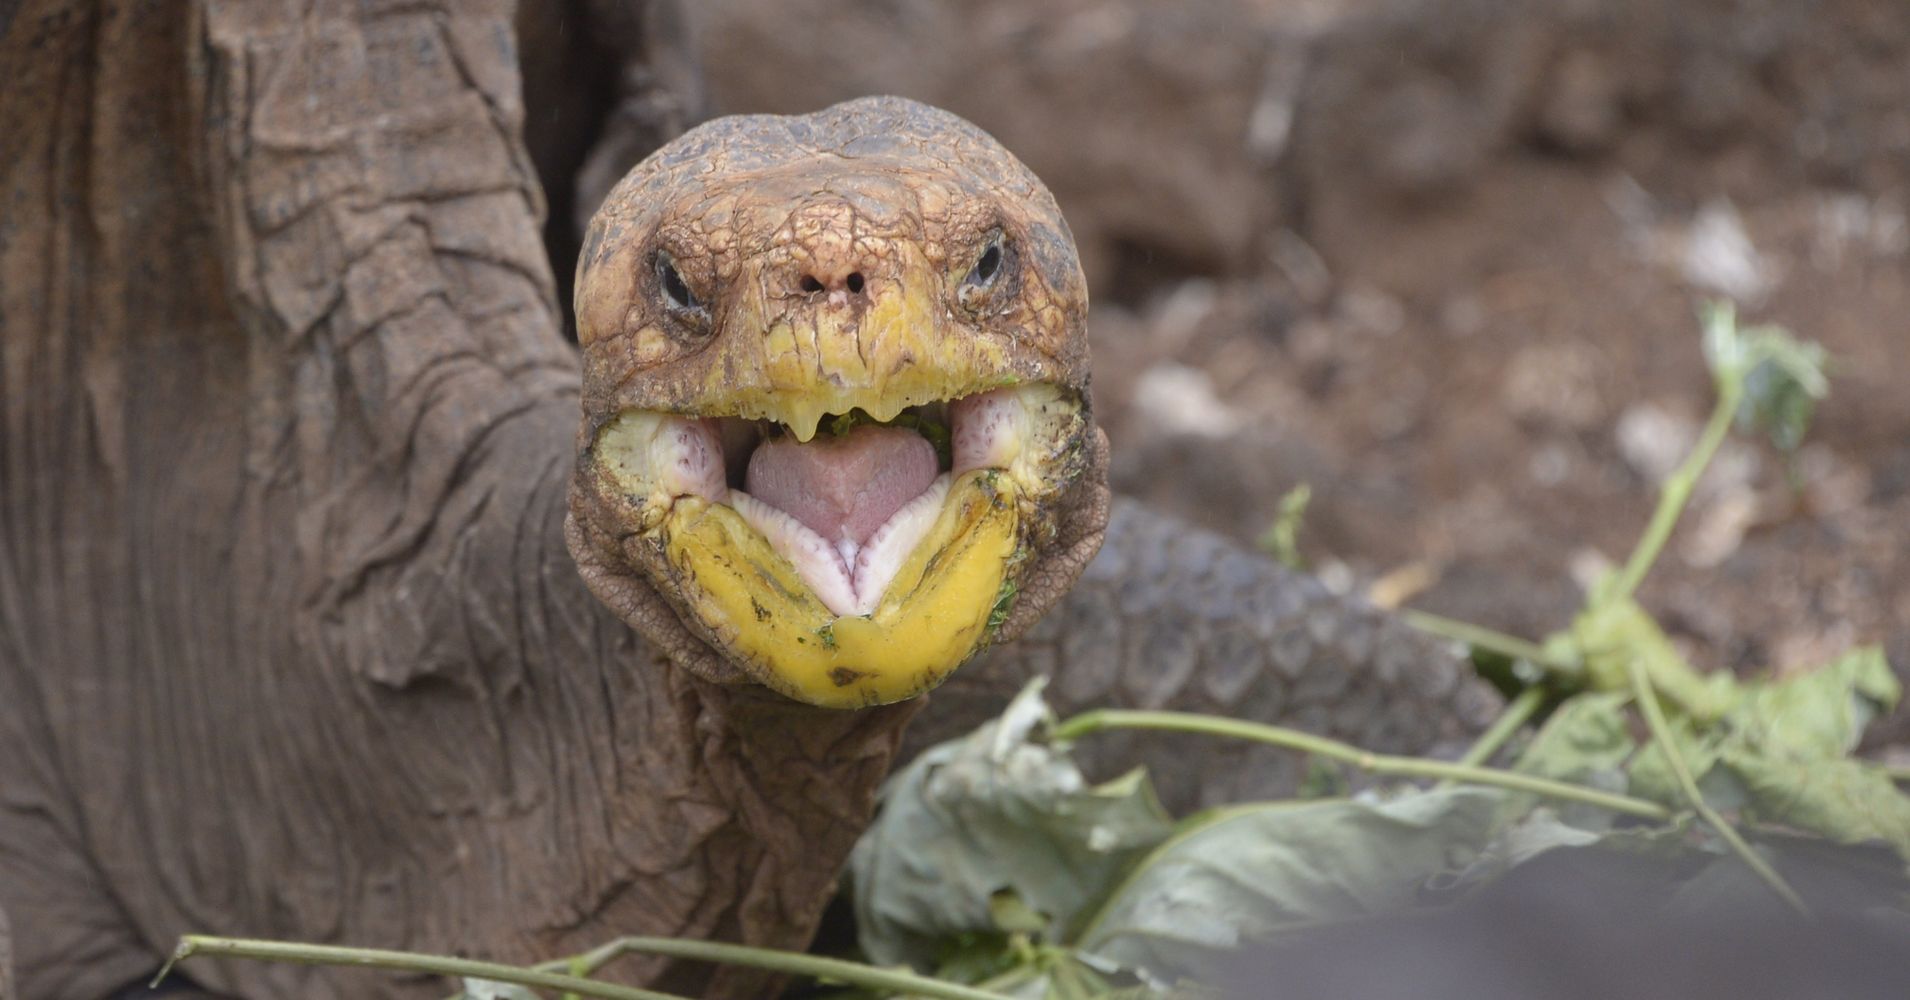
x=935, y=614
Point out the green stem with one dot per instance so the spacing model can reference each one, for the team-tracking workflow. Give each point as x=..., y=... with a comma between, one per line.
x=373, y=958
x=1677, y=492
x=1509, y=646
x=854, y=973
x=1516, y=715
x=1101, y=720
x=1688, y=786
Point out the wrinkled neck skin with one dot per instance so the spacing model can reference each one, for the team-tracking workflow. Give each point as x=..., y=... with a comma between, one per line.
x=290, y=641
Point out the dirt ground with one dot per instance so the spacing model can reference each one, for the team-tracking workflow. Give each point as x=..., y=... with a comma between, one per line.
x=1442, y=259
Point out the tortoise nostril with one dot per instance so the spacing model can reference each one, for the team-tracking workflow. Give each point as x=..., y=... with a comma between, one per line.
x=852, y=282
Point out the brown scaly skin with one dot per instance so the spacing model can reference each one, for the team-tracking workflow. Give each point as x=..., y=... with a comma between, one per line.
x=291, y=643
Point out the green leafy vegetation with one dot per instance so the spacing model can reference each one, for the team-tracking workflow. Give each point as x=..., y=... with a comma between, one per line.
x=935, y=431
x=996, y=868
x=1281, y=540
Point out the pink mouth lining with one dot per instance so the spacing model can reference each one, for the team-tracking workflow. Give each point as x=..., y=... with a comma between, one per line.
x=846, y=511
x=848, y=577
x=843, y=488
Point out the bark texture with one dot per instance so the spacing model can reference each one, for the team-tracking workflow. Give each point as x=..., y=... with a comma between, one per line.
x=290, y=644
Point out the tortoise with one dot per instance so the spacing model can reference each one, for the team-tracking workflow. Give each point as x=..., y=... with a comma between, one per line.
x=343, y=598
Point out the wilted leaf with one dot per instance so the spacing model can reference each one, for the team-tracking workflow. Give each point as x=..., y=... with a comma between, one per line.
x=1780, y=755
x=1586, y=735
x=1651, y=774
x=1821, y=713
x=992, y=827
x=1245, y=872
x=1785, y=743
x=1586, y=742
x=1611, y=633
x=1847, y=800
x=1782, y=378
x=1778, y=401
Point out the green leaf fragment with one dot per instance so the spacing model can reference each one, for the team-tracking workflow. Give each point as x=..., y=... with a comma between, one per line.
x=1849, y=801
x=1282, y=538
x=1780, y=377
x=1822, y=712
x=936, y=432
x=1779, y=755
x=1003, y=606
x=1776, y=400
x=1788, y=744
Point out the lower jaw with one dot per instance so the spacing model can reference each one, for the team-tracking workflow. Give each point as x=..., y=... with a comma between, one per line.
x=937, y=611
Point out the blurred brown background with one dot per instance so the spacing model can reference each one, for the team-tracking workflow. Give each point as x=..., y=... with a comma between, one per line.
x=1441, y=260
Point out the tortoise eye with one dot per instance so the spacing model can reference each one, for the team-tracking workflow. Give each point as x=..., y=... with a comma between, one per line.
x=987, y=266
x=977, y=288
x=674, y=287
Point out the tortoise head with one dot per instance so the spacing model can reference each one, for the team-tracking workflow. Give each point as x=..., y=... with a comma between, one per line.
x=836, y=432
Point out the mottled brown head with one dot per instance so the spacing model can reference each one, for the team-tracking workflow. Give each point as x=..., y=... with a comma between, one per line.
x=836, y=432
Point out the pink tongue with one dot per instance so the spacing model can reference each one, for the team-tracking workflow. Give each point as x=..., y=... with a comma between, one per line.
x=848, y=485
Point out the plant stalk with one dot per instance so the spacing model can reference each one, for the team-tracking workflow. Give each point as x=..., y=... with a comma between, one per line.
x=1677, y=491
x=401, y=961
x=1688, y=786
x=1100, y=720
x=1515, y=716
x=854, y=973
x=1509, y=646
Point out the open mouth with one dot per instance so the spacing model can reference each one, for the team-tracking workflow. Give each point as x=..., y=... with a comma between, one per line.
x=845, y=508
x=849, y=505
x=873, y=555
